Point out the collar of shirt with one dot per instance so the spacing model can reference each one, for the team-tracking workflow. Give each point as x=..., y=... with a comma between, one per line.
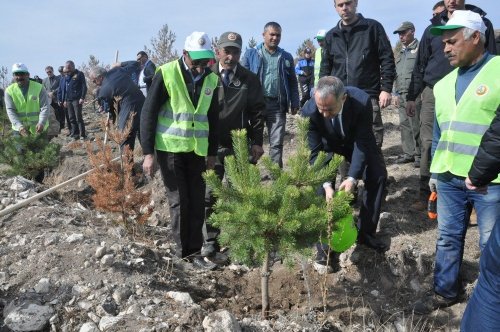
x=232, y=73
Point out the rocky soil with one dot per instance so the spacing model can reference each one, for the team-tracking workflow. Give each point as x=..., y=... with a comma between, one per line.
x=67, y=267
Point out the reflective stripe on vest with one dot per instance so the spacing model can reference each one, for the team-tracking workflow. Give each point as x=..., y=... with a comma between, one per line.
x=463, y=125
x=317, y=64
x=28, y=109
x=181, y=127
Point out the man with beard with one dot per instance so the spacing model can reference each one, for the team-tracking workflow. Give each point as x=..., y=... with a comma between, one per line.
x=26, y=102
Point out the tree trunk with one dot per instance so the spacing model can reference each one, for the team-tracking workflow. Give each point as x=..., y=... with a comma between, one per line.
x=264, y=283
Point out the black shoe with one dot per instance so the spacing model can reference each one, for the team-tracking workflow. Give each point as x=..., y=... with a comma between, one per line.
x=201, y=264
x=208, y=249
x=416, y=163
x=431, y=302
x=372, y=242
x=405, y=159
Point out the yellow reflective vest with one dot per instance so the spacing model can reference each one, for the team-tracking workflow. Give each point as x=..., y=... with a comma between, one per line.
x=462, y=125
x=317, y=64
x=181, y=127
x=28, y=109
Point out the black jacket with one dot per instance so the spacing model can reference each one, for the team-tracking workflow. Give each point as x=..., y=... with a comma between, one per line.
x=133, y=68
x=431, y=64
x=158, y=95
x=76, y=86
x=358, y=145
x=116, y=86
x=486, y=165
x=361, y=57
x=241, y=106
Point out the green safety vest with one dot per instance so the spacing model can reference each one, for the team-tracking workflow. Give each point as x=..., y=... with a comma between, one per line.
x=462, y=125
x=28, y=109
x=317, y=64
x=182, y=127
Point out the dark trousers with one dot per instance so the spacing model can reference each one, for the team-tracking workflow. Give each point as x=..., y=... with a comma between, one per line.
x=59, y=112
x=76, y=119
x=210, y=232
x=66, y=116
x=182, y=177
x=426, y=127
x=374, y=178
x=305, y=92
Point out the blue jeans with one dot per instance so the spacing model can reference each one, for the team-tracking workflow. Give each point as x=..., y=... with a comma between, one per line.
x=453, y=208
x=483, y=310
x=275, y=122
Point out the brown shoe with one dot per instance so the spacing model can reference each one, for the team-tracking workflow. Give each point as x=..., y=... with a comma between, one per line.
x=473, y=218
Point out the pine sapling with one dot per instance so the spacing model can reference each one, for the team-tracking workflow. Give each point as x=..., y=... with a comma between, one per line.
x=284, y=215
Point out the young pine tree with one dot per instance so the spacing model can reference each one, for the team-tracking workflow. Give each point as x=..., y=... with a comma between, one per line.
x=284, y=215
x=28, y=156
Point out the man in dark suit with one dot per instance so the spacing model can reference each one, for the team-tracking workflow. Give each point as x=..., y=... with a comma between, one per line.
x=141, y=71
x=340, y=122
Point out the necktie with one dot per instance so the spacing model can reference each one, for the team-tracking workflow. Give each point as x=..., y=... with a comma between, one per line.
x=336, y=126
x=226, y=78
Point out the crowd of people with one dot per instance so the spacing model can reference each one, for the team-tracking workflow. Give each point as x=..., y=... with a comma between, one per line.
x=445, y=87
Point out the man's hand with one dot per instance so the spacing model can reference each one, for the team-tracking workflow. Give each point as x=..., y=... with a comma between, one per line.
x=384, y=99
x=294, y=110
x=470, y=186
x=347, y=185
x=257, y=151
x=148, y=165
x=23, y=131
x=80, y=101
x=211, y=162
x=39, y=128
x=433, y=184
x=411, y=107
x=65, y=104
x=51, y=95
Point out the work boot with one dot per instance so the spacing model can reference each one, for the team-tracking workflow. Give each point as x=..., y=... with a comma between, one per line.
x=432, y=301
x=416, y=163
x=404, y=159
x=200, y=263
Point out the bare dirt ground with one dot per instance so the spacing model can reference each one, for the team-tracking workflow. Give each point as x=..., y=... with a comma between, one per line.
x=88, y=271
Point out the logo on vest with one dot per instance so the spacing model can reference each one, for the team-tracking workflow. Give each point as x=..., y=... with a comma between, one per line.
x=287, y=63
x=34, y=97
x=236, y=83
x=208, y=91
x=481, y=90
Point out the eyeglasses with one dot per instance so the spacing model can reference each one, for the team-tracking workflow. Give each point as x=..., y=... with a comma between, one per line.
x=200, y=62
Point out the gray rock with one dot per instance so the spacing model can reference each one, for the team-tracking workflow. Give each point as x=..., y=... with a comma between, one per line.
x=43, y=286
x=74, y=238
x=89, y=327
x=108, y=260
x=181, y=297
x=6, y=201
x=100, y=252
x=122, y=294
x=51, y=239
x=221, y=320
x=3, y=278
x=107, y=322
x=27, y=316
x=108, y=307
x=21, y=184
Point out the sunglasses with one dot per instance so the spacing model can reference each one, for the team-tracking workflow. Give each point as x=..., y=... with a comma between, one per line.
x=200, y=62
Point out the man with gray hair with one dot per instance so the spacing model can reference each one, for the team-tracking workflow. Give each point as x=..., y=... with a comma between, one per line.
x=340, y=123
x=466, y=102
x=122, y=98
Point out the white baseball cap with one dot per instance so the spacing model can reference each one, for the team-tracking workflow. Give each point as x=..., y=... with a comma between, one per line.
x=198, y=46
x=19, y=68
x=321, y=34
x=461, y=19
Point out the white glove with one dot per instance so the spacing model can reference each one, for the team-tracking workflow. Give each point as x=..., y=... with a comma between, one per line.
x=433, y=184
